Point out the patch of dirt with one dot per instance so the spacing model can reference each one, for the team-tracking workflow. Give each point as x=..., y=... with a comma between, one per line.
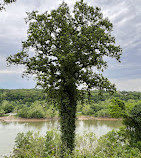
x=11, y=118
x=18, y=119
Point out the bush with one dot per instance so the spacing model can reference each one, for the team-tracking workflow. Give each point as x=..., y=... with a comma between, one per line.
x=36, y=112
x=98, y=107
x=52, y=143
x=117, y=108
x=2, y=112
x=103, y=113
x=114, y=144
x=51, y=111
x=133, y=123
x=23, y=112
x=87, y=110
x=7, y=106
x=29, y=145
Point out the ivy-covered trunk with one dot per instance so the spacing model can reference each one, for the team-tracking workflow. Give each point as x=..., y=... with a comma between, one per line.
x=67, y=118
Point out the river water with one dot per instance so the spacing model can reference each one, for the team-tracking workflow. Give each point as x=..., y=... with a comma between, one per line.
x=8, y=131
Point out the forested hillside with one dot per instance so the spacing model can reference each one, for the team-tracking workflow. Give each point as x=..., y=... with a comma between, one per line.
x=33, y=103
x=31, y=95
x=22, y=95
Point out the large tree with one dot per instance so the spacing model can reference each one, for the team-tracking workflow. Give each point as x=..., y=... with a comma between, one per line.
x=66, y=51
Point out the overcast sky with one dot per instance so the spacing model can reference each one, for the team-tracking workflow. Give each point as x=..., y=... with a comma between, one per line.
x=125, y=16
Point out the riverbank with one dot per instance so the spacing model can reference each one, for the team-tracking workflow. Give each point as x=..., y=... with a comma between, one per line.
x=83, y=117
x=12, y=118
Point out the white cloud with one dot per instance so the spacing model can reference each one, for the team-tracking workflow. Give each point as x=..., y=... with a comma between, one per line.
x=127, y=84
x=11, y=71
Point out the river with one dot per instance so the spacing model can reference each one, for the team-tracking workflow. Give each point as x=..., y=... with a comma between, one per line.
x=8, y=131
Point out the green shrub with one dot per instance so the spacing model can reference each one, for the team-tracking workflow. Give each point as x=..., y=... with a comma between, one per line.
x=133, y=123
x=2, y=112
x=7, y=106
x=51, y=111
x=23, y=112
x=114, y=144
x=87, y=110
x=36, y=112
x=52, y=143
x=103, y=113
x=98, y=107
x=117, y=108
x=29, y=145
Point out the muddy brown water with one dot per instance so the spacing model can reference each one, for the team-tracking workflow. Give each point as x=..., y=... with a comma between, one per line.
x=9, y=130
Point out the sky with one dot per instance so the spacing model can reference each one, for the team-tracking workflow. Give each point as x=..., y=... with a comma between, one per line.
x=125, y=16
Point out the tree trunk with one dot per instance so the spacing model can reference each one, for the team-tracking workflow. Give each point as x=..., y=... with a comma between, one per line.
x=67, y=119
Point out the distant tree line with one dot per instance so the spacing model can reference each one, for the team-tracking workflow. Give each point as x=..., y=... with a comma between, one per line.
x=33, y=103
x=31, y=95
x=22, y=95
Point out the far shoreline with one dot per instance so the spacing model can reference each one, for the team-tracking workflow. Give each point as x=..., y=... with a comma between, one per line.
x=80, y=118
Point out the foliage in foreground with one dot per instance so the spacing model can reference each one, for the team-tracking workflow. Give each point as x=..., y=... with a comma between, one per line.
x=115, y=144
x=133, y=123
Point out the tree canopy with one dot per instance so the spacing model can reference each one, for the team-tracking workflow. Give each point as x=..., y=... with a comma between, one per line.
x=65, y=50
x=5, y=2
x=68, y=46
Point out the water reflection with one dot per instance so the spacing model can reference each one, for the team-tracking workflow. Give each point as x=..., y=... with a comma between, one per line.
x=39, y=125
x=99, y=127
x=8, y=131
x=95, y=123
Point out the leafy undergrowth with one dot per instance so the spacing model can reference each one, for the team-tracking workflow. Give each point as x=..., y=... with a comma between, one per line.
x=115, y=144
